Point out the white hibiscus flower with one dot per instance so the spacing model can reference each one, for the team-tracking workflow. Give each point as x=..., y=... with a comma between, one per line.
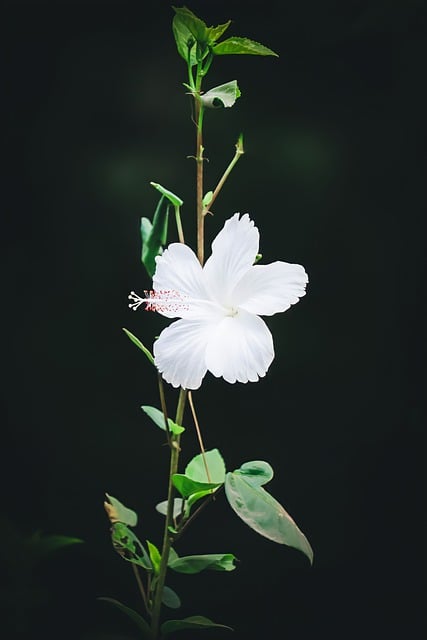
x=220, y=305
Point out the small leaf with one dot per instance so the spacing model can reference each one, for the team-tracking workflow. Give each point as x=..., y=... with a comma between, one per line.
x=154, y=237
x=197, y=563
x=237, y=45
x=129, y=547
x=44, y=544
x=185, y=41
x=195, y=25
x=133, y=615
x=178, y=503
x=186, y=486
x=196, y=468
x=158, y=418
x=117, y=512
x=175, y=200
x=192, y=622
x=225, y=95
x=214, y=33
x=194, y=497
x=256, y=472
x=260, y=511
x=155, y=556
x=207, y=199
x=139, y=344
x=170, y=598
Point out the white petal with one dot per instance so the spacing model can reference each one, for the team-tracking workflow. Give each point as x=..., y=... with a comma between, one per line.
x=272, y=288
x=179, y=353
x=179, y=272
x=240, y=348
x=233, y=253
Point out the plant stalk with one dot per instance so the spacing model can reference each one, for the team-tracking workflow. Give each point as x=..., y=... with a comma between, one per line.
x=167, y=536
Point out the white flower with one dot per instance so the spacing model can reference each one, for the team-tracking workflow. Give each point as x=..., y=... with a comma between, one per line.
x=219, y=305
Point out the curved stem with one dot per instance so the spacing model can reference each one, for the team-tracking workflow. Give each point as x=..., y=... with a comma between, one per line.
x=167, y=537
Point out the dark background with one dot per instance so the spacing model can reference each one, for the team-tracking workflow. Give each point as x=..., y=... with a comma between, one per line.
x=334, y=176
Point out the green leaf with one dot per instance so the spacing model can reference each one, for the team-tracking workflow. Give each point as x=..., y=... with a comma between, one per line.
x=241, y=46
x=186, y=486
x=170, y=598
x=192, y=622
x=175, y=200
x=155, y=556
x=225, y=95
x=154, y=235
x=190, y=33
x=133, y=615
x=207, y=198
x=129, y=547
x=158, y=418
x=260, y=511
x=139, y=344
x=197, y=563
x=196, y=468
x=178, y=503
x=194, y=497
x=119, y=513
x=214, y=33
x=45, y=544
x=256, y=472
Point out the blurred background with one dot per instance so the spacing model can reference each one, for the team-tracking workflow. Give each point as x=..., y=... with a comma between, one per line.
x=334, y=176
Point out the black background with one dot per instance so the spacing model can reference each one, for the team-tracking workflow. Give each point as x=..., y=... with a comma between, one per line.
x=93, y=110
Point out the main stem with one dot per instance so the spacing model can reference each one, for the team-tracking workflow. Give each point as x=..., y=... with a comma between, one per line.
x=167, y=537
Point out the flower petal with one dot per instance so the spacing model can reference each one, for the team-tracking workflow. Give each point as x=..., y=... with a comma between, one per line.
x=178, y=271
x=272, y=288
x=233, y=253
x=240, y=348
x=179, y=353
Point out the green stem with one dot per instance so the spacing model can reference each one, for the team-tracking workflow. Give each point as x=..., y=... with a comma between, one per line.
x=239, y=152
x=167, y=537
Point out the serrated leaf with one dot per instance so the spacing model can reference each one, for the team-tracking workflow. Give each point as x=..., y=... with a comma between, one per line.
x=196, y=468
x=129, y=547
x=225, y=95
x=139, y=344
x=155, y=556
x=236, y=45
x=195, y=25
x=117, y=512
x=260, y=511
x=154, y=237
x=184, y=37
x=174, y=199
x=133, y=615
x=192, y=622
x=186, y=486
x=198, y=563
x=214, y=33
x=178, y=503
x=188, y=29
x=158, y=418
x=256, y=472
x=170, y=598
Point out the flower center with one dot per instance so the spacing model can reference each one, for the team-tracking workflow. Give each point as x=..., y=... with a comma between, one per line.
x=232, y=312
x=163, y=300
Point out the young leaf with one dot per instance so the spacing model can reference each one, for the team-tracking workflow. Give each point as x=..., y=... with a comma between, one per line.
x=129, y=547
x=175, y=200
x=154, y=235
x=185, y=41
x=225, y=95
x=260, y=511
x=214, y=33
x=195, y=25
x=237, y=45
x=192, y=622
x=256, y=472
x=207, y=198
x=186, y=486
x=139, y=344
x=40, y=544
x=158, y=418
x=117, y=512
x=170, y=598
x=196, y=469
x=178, y=503
x=133, y=615
x=197, y=563
x=155, y=556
